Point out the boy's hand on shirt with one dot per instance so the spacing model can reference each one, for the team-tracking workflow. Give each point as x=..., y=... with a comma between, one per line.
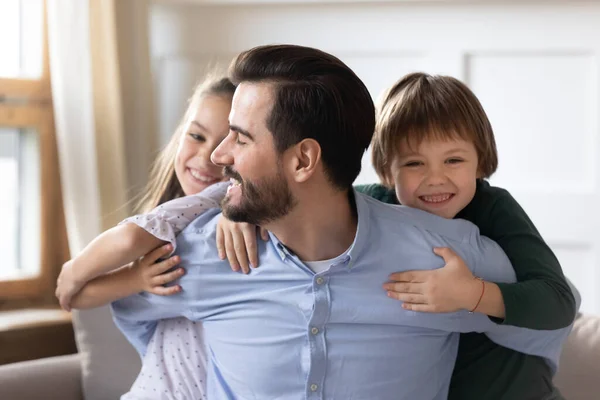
x=447, y=289
x=151, y=274
x=68, y=285
x=237, y=243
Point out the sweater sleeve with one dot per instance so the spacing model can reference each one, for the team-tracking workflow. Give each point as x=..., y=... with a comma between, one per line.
x=541, y=298
x=378, y=192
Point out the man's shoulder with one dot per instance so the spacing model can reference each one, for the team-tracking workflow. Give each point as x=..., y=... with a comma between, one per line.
x=204, y=223
x=200, y=231
x=403, y=219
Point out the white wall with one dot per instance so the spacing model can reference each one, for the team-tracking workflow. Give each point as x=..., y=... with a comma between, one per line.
x=534, y=66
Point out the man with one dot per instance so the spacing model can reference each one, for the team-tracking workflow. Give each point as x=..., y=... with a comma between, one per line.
x=313, y=322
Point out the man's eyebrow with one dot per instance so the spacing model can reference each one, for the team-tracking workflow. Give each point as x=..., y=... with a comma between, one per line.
x=241, y=131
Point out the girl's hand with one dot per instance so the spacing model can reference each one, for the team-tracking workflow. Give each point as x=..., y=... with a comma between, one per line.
x=450, y=288
x=67, y=285
x=237, y=243
x=152, y=275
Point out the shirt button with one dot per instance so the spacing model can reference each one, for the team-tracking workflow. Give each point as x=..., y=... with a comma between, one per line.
x=314, y=387
x=320, y=281
x=314, y=330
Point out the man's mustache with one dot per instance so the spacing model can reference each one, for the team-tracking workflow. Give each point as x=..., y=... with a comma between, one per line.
x=230, y=173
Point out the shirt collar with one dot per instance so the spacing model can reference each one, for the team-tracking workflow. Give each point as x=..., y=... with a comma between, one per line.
x=363, y=226
x=359, y=203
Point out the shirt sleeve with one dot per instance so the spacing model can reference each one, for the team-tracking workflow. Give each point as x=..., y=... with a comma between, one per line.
x=487, y=260
x=166, y=221
x=541, y=299
x=492, y=264
x=543, y=343
x=136, y=315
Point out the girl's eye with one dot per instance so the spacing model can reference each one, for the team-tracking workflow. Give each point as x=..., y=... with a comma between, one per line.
x=197, y=137
x=413, y=164
x=454, y=160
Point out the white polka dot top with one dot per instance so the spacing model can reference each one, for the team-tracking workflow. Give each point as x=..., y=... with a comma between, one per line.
x=174, y=366
x=167, y=220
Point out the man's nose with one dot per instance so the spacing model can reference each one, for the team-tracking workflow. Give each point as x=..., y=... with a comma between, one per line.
x=222, y=154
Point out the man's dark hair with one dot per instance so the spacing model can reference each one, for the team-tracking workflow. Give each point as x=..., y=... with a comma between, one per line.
x=316, y=96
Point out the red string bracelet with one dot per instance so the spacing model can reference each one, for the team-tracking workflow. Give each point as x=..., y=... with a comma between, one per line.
x=481, y=296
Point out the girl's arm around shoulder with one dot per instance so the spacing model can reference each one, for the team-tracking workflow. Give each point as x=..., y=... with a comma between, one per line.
x=114, y=248
x=145, y=274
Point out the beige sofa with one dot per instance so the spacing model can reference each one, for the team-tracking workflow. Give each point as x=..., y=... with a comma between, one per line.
x=106, y=365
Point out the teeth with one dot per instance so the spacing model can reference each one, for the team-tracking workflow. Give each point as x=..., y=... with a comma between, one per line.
x=436, y=198
x=200, y=177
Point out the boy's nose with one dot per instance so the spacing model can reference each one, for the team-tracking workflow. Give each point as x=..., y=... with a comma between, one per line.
x=436, y=177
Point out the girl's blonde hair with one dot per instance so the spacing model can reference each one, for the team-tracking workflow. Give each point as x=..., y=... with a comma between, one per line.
x=163, y=184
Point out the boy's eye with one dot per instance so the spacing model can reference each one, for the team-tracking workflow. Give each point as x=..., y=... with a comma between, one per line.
x=198, y=137
x=413, y=164
x=454, y=160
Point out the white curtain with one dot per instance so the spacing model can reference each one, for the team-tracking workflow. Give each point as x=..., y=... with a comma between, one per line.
x=86, y=97
x=71, y=75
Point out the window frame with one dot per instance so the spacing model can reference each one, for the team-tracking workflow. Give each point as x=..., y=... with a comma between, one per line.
x=32, y=108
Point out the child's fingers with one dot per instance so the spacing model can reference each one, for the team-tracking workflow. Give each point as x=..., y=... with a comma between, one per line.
x=156, y=254
x=420, y=307
x=404, y=287
x=264, y=234
x=65, y=302
x=161, y=267
x=239, y=246
x=249, y=233
x=165, y=291
x=407, y=297
x=220, y=240
x=167, y=277
x=230, y=251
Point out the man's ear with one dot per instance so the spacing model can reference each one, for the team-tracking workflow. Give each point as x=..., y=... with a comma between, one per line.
x=304, y=159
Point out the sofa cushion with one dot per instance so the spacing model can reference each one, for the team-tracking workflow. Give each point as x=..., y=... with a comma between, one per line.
x=578, y=375
x=35, y=379
x=109, y=362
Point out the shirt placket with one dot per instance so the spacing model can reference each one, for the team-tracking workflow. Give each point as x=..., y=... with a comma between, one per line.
x=316, y=336
x=316, y=331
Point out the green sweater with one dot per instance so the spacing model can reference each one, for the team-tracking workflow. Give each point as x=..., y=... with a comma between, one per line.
x=540, y=300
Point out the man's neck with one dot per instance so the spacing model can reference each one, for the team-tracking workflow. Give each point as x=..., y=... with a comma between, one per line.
x=321, y=226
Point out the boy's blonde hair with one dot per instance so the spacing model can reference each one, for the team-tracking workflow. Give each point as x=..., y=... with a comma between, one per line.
x=163, y=184
x=421, y=106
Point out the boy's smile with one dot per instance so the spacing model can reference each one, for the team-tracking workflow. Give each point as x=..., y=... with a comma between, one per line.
x=438, y=176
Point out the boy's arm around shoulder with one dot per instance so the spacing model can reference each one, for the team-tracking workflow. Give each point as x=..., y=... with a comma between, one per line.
x=542, y=297
x=490, y=263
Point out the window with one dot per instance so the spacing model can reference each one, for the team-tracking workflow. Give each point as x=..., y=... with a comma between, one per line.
x=32, y=233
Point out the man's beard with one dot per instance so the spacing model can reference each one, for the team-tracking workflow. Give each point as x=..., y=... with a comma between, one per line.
x=265, y=201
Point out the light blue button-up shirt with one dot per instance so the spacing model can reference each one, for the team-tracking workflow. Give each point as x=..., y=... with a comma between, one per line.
x=284, y=332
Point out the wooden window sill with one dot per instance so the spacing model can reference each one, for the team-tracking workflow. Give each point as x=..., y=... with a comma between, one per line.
x=29, y=334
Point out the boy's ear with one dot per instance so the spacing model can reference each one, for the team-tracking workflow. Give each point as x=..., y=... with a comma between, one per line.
x=304, y=158
x=479, y=173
